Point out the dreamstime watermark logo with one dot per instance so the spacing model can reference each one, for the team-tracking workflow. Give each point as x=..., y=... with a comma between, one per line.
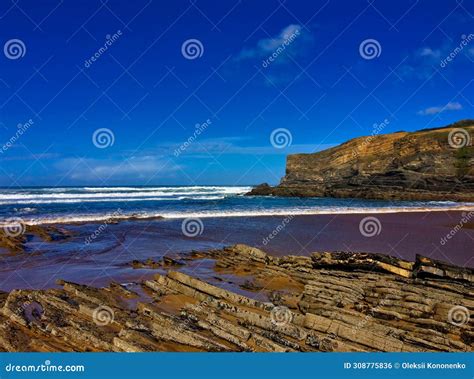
x=103, y=138
x=277, y=230
x=370, y=226
x=44, y=367
x=192, y=227
x=466, y=217
x=281, y=48
x=281, y=315
x=109, y=41
x=465, y=40
x=376, y=130
x=281, y=138
x=192, y=49
x=459, y=315
x=14, y=227
x=361, y=324
x=103, y=227
x=370, y=49
x=103, y=315
x=21, y=129
x=200, y=128
x=459, y=138
x=14, y=49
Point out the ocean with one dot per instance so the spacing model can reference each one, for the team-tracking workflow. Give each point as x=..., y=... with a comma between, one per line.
x=47, y=205
x=113, y=226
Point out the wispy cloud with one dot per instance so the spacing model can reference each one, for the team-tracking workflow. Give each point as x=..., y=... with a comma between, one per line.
x=422, y=62
x=279, y=56
x=268, y=45
x=451, y=106
x=131, y=168
x=291, y=40
x=429, y=52
x=242, y=146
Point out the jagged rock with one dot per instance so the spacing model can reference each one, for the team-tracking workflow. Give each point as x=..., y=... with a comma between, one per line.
x=326, y=302
x=16, y=243
x=426, y=267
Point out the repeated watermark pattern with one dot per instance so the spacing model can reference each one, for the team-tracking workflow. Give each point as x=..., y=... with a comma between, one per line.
x=14, y=49
x=102, y=227
x=277, y=230
x=21, y=129
x=192, y=49
x=465, y=40
x=459, y=315
x=370, y=226
x=281, y=138
x=370, y=315
x=281, y=315
x=14, y=227
x=377, y=128
x=459, y=138
x=103, y=315
x=288, y=40
x=192, y=227
x=109, y=41
x=199, y=129
x=466, y=217
x=103, y=138
x=370, y=49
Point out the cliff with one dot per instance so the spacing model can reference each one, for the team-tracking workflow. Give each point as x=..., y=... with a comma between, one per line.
x=430, y=164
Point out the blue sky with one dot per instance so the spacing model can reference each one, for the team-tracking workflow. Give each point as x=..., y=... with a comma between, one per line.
x=321, y=86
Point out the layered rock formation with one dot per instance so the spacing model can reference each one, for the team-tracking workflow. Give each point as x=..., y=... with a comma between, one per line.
x=326, y=302
x=431, y=164
x=13, y=237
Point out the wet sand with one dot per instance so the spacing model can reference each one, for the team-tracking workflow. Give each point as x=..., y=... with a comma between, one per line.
x=108, y=257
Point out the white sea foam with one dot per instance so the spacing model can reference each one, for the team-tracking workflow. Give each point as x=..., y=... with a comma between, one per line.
x=107, y=194
x=251, y=213
x=108, y=200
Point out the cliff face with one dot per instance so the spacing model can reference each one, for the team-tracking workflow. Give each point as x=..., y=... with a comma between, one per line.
x=423, y=165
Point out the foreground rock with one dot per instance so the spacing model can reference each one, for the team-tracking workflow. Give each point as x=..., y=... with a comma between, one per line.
x=14, y=236
x=326, y=302
x=422, y=165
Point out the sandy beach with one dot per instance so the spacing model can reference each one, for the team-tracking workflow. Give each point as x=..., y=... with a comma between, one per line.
x=107, y=259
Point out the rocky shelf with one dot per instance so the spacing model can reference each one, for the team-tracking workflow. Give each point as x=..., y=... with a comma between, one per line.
x=325, y=302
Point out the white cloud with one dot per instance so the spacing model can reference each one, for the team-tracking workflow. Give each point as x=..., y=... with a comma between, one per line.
x=267, y=46
x=451, y=106
x=135, y=167
x=429, y=52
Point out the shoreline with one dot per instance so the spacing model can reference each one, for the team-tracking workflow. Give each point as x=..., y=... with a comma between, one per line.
x=97, y=254
x=80, y=220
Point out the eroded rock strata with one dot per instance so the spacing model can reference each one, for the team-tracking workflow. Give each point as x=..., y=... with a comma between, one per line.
x=432, y=164
x=13, y=238
x=325, y=302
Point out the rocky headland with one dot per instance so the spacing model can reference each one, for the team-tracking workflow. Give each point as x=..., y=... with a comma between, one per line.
x=254, y=302
x=430, y=164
